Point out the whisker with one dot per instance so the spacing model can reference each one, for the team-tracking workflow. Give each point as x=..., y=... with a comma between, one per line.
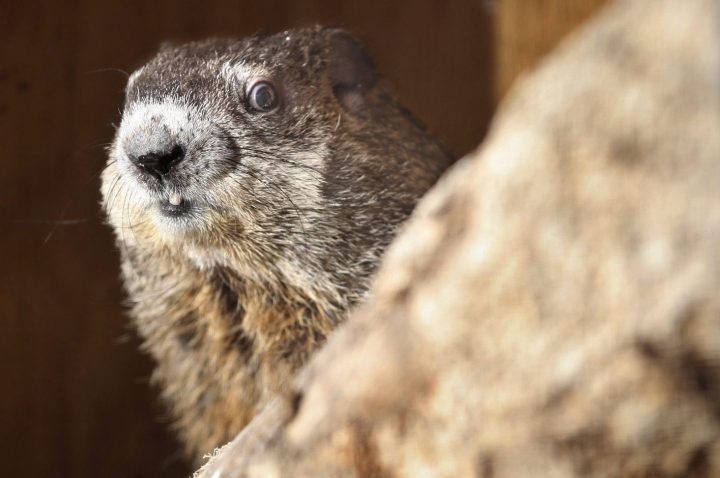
x=57, y=222
x=108, y=70
x=110, y=198
x=262, y=154
x=276, y=187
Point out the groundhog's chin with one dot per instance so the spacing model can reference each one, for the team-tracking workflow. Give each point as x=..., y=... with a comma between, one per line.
x=195, y=223
x=175, y=225
x=172, y=227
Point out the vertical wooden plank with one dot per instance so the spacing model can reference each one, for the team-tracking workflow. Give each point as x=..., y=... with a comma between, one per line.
x=525, y=30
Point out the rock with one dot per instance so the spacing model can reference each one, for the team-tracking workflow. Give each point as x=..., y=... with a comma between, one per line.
x=553, y=307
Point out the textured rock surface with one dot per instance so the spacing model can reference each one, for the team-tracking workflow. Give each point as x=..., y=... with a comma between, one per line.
x=553, y=309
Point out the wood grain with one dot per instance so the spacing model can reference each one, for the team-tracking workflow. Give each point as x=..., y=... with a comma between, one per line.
x=525, y=30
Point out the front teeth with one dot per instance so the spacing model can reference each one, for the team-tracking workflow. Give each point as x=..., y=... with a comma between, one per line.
x=175, y=199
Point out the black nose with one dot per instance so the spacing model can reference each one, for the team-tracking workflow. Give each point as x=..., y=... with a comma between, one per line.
x=160, y=163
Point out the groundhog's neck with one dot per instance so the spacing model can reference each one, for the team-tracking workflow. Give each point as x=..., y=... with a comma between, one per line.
x=224, y=345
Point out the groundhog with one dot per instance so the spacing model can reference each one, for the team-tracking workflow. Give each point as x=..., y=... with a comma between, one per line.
x=253, y=186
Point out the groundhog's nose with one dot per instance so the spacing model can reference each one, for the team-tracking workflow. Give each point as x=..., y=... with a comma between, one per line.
x=160, y=163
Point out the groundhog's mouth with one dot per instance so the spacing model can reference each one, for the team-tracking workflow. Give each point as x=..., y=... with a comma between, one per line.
x=175, y=206
x=170, y=210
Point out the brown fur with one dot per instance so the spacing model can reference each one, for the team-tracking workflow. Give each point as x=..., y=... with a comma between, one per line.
x=223, y=345
x=233, y=304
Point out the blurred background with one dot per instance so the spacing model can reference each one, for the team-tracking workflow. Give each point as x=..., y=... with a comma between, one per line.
x=74, y=393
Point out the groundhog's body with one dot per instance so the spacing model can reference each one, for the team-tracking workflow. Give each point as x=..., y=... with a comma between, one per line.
x=250, y=217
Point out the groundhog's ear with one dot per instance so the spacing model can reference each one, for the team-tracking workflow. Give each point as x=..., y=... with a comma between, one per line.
x=351, y=71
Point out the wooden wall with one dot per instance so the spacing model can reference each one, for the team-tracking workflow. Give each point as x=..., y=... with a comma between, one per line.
x=74, y=398
x=528, y=29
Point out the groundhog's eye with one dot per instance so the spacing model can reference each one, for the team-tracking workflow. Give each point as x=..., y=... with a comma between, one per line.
x=262, y=96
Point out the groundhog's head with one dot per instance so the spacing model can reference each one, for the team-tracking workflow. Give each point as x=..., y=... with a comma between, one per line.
x=281, y=154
